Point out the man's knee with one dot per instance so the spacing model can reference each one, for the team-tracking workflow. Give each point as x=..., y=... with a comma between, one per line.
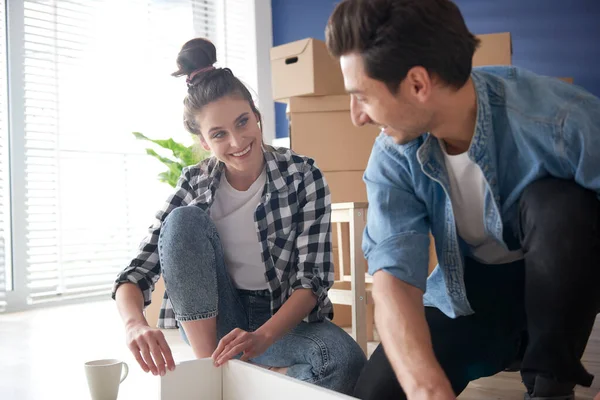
x=557, y=208
x=561, y=241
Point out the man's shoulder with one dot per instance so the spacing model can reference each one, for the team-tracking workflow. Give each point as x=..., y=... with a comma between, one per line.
x=396, y=164
x=527, y=95
x=387, y=152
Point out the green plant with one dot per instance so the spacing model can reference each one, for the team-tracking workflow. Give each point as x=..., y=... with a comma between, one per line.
x=183, y=156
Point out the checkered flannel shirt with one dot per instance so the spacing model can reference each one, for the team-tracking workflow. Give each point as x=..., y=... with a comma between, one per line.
x=292, y=224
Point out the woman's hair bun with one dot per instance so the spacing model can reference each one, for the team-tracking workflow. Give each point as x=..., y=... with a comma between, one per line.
x=194, y=55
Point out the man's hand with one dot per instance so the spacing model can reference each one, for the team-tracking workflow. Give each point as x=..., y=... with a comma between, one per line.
x=442, y=392
x=251, y=344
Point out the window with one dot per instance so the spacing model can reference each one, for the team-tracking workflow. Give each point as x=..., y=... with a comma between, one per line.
x=234, y=44
x=76, y=78
x=5, y=278
x=95, y=71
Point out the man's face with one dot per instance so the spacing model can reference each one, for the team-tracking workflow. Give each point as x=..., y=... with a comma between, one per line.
x=402, y=116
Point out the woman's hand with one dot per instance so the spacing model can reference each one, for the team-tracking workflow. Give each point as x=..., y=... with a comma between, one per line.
x=251, y=344
x=149, y=348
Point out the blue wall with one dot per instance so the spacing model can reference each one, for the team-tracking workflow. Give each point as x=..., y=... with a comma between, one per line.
x=551, y=37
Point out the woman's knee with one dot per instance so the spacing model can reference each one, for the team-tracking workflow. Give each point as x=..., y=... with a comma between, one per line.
x=188, y=219
x=188, y=245
x=343, y=358
x=348, y=355
x=185, y=230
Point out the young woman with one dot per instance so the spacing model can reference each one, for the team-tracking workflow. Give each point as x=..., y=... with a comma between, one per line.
x=244, y=246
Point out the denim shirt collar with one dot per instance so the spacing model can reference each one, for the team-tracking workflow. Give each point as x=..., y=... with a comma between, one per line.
x=482, y=151
x=480, y=143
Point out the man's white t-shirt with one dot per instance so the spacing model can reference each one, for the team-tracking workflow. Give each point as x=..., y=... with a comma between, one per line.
x=233, y=214
x=467, y=193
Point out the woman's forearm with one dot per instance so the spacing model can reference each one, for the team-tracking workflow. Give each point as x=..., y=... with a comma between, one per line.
x=293, y=311
x=130, y=303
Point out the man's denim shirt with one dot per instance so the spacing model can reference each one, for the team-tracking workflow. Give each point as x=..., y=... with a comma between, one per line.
x=528, y=127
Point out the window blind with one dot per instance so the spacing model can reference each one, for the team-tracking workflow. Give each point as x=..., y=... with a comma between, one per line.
x=236, y=46
x=95, y=71
x=4, y=179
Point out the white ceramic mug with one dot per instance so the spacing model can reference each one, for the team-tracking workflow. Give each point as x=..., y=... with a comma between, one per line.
x=104, y=378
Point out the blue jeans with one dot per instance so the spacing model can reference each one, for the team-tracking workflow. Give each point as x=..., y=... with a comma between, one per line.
x=199, y=287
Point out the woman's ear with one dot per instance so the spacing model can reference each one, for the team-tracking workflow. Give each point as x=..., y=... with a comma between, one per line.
x=258, y=120
x=203, y=143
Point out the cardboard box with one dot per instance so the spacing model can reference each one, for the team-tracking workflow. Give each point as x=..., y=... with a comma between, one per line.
x=346, y=186
x=321, y=128
x=236, y=380
x=494, y=49
x=304, y=68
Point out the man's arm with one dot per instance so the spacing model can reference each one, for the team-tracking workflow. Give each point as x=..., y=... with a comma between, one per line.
x=396, y=245
x=400, y=320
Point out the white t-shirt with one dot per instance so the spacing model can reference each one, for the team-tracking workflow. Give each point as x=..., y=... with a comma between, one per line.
x=467, y=191
x=233, y=214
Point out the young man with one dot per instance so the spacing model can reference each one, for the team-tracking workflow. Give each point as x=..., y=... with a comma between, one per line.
x=503, y=167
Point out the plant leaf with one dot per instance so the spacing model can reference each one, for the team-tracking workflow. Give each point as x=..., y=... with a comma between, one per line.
x=164, y=160
x=183, y=156
x=187, y=154
x=168, y=177
x=139, y=136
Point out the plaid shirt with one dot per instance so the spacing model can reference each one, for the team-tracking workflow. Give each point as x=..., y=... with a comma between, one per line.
x=292, y=224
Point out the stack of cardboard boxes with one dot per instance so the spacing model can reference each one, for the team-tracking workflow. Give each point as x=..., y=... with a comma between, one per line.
x=310, y=82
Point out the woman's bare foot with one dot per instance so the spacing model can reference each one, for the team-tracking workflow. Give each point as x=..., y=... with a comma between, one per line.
x=279, y=370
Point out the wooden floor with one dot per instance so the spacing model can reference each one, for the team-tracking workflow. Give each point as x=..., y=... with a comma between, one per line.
x=508, y=385
x=42, y=354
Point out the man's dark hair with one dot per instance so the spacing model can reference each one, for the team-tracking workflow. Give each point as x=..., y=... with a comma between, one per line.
x=392, y=36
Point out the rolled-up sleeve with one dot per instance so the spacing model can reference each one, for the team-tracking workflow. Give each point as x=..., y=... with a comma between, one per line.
x=313, y=241
x=396, y=238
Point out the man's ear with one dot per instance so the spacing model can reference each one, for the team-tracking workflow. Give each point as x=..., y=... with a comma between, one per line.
x=419, y=83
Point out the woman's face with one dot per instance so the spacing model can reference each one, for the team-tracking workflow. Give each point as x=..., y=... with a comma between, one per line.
x=229, y=128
